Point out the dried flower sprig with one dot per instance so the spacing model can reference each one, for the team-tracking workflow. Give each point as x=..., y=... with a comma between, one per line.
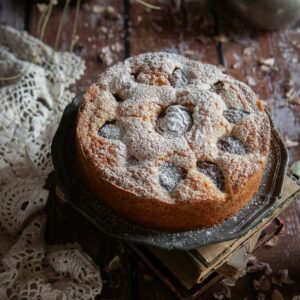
x=42, y=8
x=11, y=77
x=74, y=30
x=151, y=6
x=61, y=22
x=50, y=6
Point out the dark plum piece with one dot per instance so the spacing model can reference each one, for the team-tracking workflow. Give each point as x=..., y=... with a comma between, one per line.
x=218, y=86
x=118, y=98
x=170, y=176
x=179, y=79
x=212, y=171
x=174, y=122
x=132, y=161
x=234, y=115
x=110, y=131
x=231, y=145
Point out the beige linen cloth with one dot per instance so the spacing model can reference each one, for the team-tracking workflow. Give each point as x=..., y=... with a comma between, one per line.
x=34, y=82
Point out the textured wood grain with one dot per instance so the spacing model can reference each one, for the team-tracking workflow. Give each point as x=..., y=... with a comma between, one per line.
x=13, y=13
x=100, y=25
x=184, y=29
x=246, y=49
x=243, y=52
x=100, y=29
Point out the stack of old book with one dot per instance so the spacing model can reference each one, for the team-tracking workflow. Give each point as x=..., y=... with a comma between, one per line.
x=190, y=273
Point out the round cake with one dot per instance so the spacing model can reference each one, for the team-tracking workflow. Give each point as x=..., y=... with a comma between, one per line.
x=171, y=143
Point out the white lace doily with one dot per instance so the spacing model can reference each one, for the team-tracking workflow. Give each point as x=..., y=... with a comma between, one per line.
x=34, y=81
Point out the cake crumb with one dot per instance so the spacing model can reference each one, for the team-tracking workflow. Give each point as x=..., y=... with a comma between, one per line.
x=267, y=64
x=147, y=277
x=262, y=284
x=282, y=277
x=223, y=293
x=114, y=264
x=272, y=242
x=222, y=38
x=98, y=9
x=295, y=101
x=276, y=295
x=260, y=105
x=103, y=29
x=106, y=56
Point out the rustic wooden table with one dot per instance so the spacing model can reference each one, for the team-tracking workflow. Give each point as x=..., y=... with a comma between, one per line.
x=110, y=30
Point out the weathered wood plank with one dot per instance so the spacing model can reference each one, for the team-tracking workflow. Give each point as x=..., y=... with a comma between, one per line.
x=13, y=13
x=183, y=29
x=244, y=51
x=99, y=37
x=99, y=40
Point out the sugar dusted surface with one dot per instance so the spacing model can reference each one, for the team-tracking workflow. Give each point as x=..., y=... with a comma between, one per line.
x=137, y=116
x=231, y=145
x=111, y=132
x=212, y=171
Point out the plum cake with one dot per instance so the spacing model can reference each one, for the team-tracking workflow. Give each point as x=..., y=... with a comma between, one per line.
x=170, y=143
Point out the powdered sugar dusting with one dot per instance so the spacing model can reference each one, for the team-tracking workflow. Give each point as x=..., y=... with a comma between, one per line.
x=111, y=131
x=213, y=172
x=231, y=145
x=175, y=122
x=172, y=110
x=169, y=176
x=179, y=79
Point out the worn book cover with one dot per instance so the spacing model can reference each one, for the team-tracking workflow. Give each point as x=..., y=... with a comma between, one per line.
x=226, y=258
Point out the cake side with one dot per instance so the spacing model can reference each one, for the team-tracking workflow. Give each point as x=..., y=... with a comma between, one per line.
x=169, y=151
x=160, y=215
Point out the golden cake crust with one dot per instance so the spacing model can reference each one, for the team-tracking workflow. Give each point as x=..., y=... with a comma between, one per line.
x=171, y=143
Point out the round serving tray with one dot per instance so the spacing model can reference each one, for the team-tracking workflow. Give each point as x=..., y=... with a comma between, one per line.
x=78, y=196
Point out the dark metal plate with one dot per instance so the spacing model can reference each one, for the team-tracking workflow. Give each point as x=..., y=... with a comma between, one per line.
x=77, y=195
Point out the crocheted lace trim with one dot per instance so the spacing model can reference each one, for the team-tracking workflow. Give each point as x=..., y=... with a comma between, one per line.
x=34, y=82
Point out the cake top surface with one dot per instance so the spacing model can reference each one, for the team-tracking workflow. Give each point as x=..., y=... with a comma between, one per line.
x=162, y=126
